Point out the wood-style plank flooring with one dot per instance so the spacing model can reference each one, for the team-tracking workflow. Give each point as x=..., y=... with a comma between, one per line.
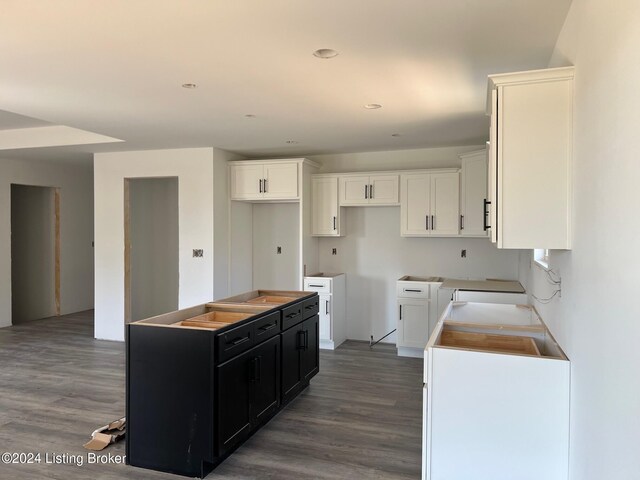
x=359, y=419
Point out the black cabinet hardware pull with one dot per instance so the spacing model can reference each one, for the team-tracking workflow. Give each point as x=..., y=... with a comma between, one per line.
x=238, y=341
x=426, y=221
x=370, y=191
x=311, y=307
x=264, y=185
x=300, y=340
x=366, y=191
x=433, y=222
x=291, y=315
x=412, y=290
x=306, y=339
x=485, y=224
x=256, y=369
x=400, y=312
x=326, y=310
x=315, y=285
x=334, y=223
x=461, y=222
x=264, y=328
x=260, y=185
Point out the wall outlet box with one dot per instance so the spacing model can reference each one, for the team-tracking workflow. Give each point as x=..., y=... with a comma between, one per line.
x=198, y=253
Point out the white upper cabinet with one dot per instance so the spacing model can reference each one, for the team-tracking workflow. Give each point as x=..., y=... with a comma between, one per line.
x=531, y=153
x=429, y=203
x=327, y=219
x=356, y=190
x=473, y=194
x=264, y=180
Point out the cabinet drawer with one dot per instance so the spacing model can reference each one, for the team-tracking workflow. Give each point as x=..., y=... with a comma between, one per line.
x=266, y=327
x=292, y=315
x=311, y=307
x=320, y=285
x=408, y=290
x=234, y=341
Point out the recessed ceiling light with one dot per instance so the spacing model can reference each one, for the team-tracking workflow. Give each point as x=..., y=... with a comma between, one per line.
x=396, y=135
x=325, y=53
x=189, y=85
x=372, y=106
x=250, y=115
x=291, y=142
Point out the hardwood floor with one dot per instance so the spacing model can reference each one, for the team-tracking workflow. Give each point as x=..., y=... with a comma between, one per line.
x=359, y=419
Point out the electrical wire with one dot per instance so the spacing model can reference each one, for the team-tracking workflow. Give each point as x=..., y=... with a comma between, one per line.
x=545, y=301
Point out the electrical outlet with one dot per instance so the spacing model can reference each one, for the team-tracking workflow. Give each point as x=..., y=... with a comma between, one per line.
x=334, y=251
x=463, y=253
x=279, y=250
x=198, y=253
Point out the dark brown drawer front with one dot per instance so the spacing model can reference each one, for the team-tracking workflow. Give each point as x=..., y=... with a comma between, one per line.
x=310, y=307
x=234, y=341
x=266, y=327
x=292, y=315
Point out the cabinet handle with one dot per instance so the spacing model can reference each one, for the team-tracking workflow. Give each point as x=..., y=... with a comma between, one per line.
x=334, y=223
x=311, y=307
x=461, y=222
x=265, y=328
x=318, y=286
x=366, y=191
x=306, y=339
x=485, y=225
x=426, y=221
x=300, y=340
x=400, y=312
x=260, y=185
x=264, y=185
x=433, y=222
x=238, y=341
x=291, y=315
x=256, y=369
x=326, y=309
x=412, y=290
x=370, y=191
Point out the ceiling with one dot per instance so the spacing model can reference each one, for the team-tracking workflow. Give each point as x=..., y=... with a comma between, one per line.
x=116, y=68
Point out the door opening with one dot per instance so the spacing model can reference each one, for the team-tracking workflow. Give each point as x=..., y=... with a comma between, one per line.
x=35, y=252
x=151, y=246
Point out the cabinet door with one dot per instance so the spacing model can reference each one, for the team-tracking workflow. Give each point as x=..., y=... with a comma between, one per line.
x=474, y=192
x=292, y=342
x=280, y=181
x=325, y=317
x=265, y=367
x=413, y=323
x=445, y=204
x=246, y=182
x=415, y=205
x=383, y=189
x=233, y=391
x=492, y=171
x=354, y=191
x=325, y=211
x=310, y=354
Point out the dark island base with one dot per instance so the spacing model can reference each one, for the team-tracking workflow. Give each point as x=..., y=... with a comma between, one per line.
x=194, y=395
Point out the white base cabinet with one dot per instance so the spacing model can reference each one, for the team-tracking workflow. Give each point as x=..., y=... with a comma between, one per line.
x=495, y=409
x=331, y=288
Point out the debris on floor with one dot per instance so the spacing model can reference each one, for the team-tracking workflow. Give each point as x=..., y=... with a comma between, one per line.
x=104, y=436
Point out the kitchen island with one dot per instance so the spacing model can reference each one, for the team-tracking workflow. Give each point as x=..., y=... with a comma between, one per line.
x=201, y=380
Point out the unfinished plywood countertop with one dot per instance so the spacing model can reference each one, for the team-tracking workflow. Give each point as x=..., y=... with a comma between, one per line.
x=488, y=285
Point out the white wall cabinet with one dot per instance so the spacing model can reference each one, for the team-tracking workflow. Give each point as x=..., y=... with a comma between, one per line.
x=429, y=204
x=328, y=219
x=359, y=190
x=531, y=179
x=264, y=180
x=473, y=194
x=331, y=288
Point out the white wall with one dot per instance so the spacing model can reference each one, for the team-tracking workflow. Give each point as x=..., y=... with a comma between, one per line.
x=194, y=169
x=76, y=229
x=374, y=255
x=32, y=253
x=597, y=320
x=153, y=230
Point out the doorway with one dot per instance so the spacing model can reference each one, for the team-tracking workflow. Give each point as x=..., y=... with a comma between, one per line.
x=35, y=252
x=151, y=247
